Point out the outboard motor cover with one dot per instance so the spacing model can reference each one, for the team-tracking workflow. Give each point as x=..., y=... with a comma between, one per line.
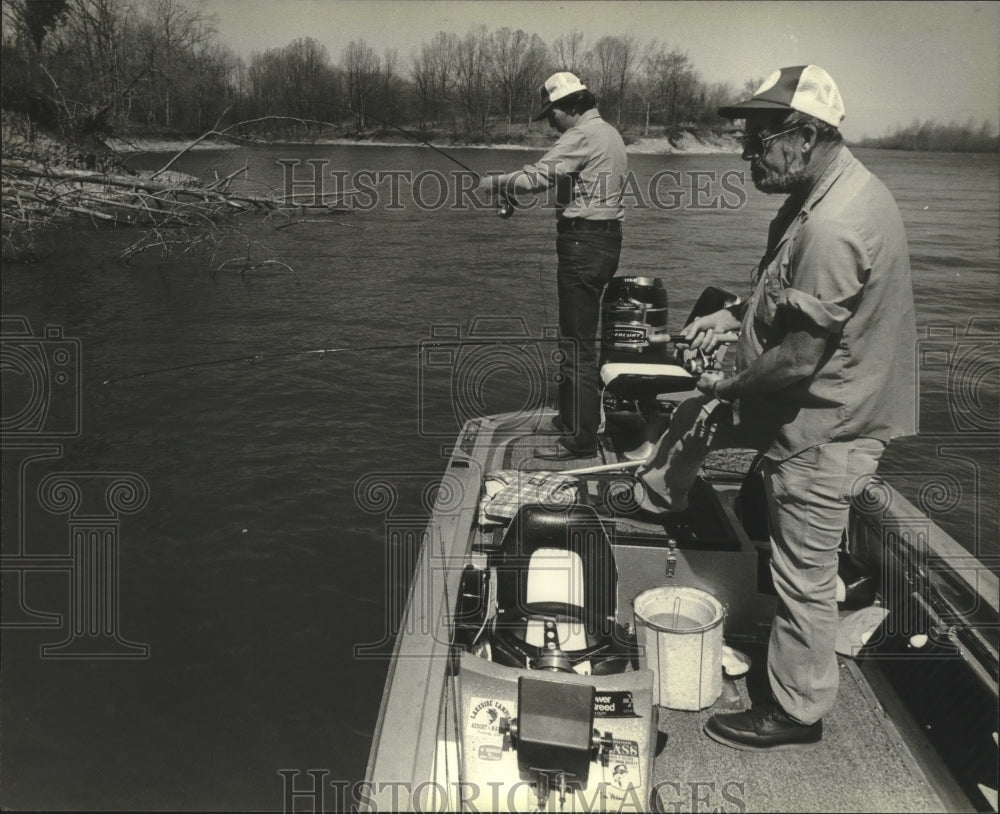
x=634, y=316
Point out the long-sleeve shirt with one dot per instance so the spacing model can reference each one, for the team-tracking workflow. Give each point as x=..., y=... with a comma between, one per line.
x=840, y=259
x=586, y=169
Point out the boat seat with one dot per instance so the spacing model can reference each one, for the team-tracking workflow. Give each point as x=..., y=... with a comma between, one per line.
x=555, y=568
x=642, y=382
x=556, y=575
x=643, y=374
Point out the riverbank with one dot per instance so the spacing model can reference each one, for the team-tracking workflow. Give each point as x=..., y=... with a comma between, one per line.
x=687, y=144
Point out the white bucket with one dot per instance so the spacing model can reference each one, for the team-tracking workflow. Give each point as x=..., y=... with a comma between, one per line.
x=680, y=640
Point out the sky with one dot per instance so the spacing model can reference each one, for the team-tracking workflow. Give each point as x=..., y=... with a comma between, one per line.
x=893, y=61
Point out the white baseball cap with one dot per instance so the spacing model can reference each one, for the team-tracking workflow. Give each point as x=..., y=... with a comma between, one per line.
x=806, y=88
x=556, y=87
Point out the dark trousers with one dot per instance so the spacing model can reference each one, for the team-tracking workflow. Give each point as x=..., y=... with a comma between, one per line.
x=587, y=261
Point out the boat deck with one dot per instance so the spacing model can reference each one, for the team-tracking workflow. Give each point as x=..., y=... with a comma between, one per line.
x=874, y=756
x=864, y=762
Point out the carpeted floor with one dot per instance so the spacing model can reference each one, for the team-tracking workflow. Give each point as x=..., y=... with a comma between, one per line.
x=860, y=765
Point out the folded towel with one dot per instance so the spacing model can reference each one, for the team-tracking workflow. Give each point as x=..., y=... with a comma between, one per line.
x=506, y=490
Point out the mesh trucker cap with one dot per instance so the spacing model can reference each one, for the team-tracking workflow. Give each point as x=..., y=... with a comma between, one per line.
x=806, y=88
x=556, y=87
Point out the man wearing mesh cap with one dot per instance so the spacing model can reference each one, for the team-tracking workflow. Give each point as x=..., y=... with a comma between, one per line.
x=823, y=379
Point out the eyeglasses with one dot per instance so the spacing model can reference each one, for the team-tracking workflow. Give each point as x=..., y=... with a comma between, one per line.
x=757, y=144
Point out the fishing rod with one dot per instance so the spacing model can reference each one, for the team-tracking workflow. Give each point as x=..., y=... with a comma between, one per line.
x=505, y=208
x=253, y=358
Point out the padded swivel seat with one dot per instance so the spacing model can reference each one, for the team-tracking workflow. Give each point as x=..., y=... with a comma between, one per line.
x=642, y=383
x=557, y=593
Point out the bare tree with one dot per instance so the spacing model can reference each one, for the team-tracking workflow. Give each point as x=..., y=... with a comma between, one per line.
x=85, y=59
x=361, y=67
x=624, y=56
x=671, y=80
x=295, y=81
x=710, y=99
x=263, y=81
x=389, y=80
x=613, y=61
x=309, y=77
x=170, y=33
x=68, y=68
x=601, y=60
x=568, y=52
x=473, y=79
x=433, y=76
x=648, y=89
x=98, y=65
x=533, y=74
x=26, y=88
x=510, y=58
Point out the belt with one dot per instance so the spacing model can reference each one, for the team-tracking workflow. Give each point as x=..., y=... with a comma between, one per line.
x=581, y=225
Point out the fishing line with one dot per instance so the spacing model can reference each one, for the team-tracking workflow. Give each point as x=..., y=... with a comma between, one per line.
x=253, y=358
x=506, y=205
x=541, y=291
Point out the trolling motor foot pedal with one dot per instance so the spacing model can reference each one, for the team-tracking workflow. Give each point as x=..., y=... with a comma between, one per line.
x=554, y=728
x=554, y=735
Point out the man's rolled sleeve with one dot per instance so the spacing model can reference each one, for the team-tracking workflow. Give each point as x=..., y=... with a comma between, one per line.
x=830, y=265
x=566, y=157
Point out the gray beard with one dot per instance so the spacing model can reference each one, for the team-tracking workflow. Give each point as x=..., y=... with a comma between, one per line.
x=770, y=181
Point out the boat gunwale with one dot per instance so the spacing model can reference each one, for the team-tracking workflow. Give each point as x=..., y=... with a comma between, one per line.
x=386, y=765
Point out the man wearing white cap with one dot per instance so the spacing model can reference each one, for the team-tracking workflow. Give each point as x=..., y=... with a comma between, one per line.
x=586, y=169
x=823, y=379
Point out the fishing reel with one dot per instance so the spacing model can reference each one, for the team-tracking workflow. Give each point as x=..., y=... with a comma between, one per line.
x=696, y=360
x=505, y=207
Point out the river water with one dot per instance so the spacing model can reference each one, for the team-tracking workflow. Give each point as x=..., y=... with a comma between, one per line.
x=251, y=554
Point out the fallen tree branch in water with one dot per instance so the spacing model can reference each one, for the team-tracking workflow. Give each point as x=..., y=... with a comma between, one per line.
x=246, y=265
x=152, y=200
x=41, y=189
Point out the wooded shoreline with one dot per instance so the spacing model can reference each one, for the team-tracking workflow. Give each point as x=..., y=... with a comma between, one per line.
x=687, y=144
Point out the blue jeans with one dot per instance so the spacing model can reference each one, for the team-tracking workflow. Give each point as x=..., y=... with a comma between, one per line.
x=808, y=501
x=587, y=261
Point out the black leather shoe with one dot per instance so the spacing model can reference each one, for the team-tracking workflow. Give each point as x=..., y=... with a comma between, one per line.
x=555, y=424
x=763, y=728
x=560, y=452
